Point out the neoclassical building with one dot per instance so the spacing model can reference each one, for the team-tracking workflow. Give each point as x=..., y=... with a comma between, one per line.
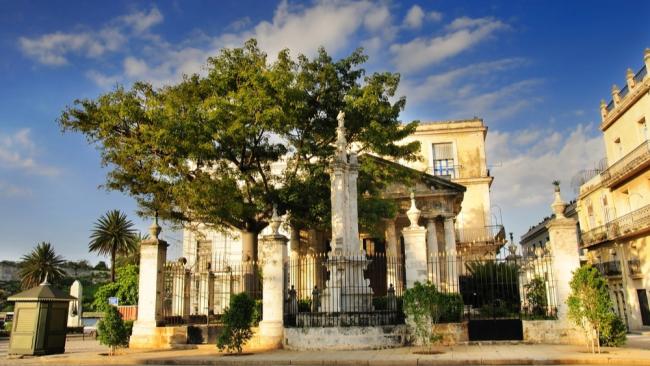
x=614, y=204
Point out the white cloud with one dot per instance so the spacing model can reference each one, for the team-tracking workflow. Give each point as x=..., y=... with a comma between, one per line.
x=434, y=16
x=8, y=190
x=414, y=17
x=525, y=162
x=54, y=49
x=461, y=34
x=18, y=151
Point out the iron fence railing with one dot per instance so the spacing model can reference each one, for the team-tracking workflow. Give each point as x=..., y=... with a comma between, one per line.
x=609, y=268
x=635, y=158
x=200, y=294
x=638, y=78
x=627, y=224
x=458, y=172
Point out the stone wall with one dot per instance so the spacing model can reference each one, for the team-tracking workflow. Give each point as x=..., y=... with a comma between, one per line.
x=551, y=332
x=452, y=333
x=345, y=338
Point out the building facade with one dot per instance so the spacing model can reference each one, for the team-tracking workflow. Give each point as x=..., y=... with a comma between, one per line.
x=614, y=205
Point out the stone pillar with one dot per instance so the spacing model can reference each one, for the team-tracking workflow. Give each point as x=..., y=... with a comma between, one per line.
x=449, y=259
x=354, y=244
x=415, y=249
x=75, y=306
x=392, y=254
x=273, y=253
x=432, y=251
x=153, y=253
x=615, y=95
x=563, y=245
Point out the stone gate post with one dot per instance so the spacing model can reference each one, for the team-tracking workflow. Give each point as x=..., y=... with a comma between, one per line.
x=153, y=254
x=415, y=248
x=273, y=255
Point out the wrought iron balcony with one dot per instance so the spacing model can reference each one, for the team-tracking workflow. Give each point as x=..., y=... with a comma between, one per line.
x=634, y=267
x=487, y=235
x=625, y=225
x=627, y=165
x=610, y=268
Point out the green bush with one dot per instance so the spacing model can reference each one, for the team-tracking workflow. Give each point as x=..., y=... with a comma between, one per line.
x=614, y=332
x=125, y=288
x=449, y=308
x=304, y=305
x=536, y=297
x=420, y=307
x=237, y=321
x=111, y=330
x=257, y=312
x=7, y=326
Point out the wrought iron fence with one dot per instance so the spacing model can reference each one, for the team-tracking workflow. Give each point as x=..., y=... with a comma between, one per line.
x=344, y=290
x=201, y=293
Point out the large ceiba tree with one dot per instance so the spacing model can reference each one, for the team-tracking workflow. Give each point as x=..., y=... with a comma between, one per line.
x=206, y=149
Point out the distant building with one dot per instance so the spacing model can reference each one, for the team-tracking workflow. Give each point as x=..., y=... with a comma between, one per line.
x=537, y=236
x=614, y=205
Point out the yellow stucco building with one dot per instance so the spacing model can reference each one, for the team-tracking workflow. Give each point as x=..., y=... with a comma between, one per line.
x=614, y=204
x=455, y=150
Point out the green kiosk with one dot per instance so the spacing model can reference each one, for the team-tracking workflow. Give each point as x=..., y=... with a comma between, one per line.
x=40, y=321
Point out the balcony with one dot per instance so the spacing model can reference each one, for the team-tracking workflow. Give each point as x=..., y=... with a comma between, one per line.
x=634, y=267
x=458, y=172
x=493, y=237
x=609, y=269
x=626, y=225
x=627, y=166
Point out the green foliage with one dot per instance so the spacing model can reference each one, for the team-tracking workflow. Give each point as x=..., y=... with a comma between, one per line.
x=101, y=266
x=420, y=306
x=111, y=330
x=449, y=307
x=304, y=305
x=492, y=286
x=237, y=321
x=590, y=308
x=41, y=260
x=257, y=312
x=125, y=288
x=233, y=123
x=7, y=326
x=536, y=296
x=113, y=235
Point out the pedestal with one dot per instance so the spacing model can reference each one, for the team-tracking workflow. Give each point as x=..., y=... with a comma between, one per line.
x=347, y=290
x=415, y=255
x=273, y=255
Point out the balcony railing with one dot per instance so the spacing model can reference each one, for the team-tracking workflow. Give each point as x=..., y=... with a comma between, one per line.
x=487, y=235
x=627, y=164
x=634, y=267
x=610, y=268
x=625, y=225
x=457, y=172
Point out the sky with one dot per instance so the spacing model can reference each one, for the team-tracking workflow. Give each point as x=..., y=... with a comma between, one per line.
x=535, y=71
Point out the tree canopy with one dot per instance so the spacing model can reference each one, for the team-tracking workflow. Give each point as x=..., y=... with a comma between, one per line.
x=38, y=263
x=223, y=148
x=113, y=234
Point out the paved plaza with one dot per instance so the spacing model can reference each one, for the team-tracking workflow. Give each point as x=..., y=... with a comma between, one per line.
x=90, y=352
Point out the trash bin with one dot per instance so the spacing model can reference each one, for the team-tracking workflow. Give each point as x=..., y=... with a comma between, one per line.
x=40, y=321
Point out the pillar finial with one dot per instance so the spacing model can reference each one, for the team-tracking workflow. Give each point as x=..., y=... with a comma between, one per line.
x=276, y=221
x=558, y=204
x=341, y=142
x=155, y=229
x=413, y=213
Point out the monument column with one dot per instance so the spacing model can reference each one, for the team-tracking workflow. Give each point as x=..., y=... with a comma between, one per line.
x=415, y=249
x=450, y=256
x=392, y=254
x=563, y=244
x=432, y=251
x=273, y=256
x=153, y=253
x=75, y=306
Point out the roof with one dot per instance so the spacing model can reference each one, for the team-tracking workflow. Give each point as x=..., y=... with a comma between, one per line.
x=428, y=178
x=43, y=293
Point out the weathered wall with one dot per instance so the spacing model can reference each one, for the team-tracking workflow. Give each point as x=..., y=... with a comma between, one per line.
x=452, y=333
x=551, y=332
x=344, y=338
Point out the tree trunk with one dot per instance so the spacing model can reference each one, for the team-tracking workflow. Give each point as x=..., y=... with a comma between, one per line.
x=113, y=264
x=249, y=245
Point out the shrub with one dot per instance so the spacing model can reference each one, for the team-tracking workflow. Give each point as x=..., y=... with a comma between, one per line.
x=420, y=308
x=536, y=296
x=449, y=308
x=111, y=330
x=590, y=308
x=237, y=321
x=257, y=312
x=304, y=305
x=125, y=288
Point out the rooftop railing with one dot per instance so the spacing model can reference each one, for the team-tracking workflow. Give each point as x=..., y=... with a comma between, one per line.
x=634, y=159
x=627, y=224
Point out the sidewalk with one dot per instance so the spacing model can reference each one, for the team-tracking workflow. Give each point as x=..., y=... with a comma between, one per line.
x=478, y=354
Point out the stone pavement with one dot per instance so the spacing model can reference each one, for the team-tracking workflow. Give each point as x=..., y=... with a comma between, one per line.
x=89, y=352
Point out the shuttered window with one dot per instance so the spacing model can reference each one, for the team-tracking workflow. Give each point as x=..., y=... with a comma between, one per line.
x=443, y=160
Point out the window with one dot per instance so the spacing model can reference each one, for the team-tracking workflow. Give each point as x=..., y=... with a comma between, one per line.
x=443, y=160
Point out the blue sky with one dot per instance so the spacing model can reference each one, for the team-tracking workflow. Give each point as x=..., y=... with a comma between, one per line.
x=535, y=71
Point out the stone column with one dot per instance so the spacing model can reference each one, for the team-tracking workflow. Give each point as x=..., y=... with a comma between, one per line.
x=75, y=307
x=273, y=253
x=415, y=249
x=153, y=253
x=450, y=256
x=392, y=254
x=563, y=245
x=354, y=244
x=432, y=251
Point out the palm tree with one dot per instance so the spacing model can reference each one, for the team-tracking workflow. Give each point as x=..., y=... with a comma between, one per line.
x=40, y=261
x=113, y=235
x=132, y=257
